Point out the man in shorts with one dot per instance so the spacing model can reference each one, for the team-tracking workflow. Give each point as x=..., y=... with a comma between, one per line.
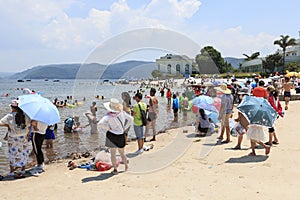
x=287, y=86
x=137, y=121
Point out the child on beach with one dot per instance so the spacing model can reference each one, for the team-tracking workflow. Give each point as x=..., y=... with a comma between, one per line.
x=49, y=136
x=256, y=134
x=175, y=107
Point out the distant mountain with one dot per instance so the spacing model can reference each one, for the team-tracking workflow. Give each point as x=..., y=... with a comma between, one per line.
x=128, y=69
x=235, y=62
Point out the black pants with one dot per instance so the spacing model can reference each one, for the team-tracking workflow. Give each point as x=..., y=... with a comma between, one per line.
x=37, y=142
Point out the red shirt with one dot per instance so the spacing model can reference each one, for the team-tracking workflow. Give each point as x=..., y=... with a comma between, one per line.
x=169, y=94
x=275, y=104
x=260, y=92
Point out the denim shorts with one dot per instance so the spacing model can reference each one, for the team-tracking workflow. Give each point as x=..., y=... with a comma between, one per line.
x=139, y=132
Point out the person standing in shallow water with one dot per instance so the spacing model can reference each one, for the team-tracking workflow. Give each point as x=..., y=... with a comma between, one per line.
x=93, y=108
x=175, y=107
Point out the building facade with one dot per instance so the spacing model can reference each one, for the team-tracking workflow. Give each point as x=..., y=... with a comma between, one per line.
x=175, y=64
x=254, y=65
x=292, y=53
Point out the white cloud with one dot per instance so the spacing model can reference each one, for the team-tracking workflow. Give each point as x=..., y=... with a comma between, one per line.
x=34, y=25
x=234, y=42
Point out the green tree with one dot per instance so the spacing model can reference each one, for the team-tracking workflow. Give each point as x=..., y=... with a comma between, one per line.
x=252, y=57
x=156, y=73
x=210, y=61
x=284, y=42
x=293, y=67
x=271, y=62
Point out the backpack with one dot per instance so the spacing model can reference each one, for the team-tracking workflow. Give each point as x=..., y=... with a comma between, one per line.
x=143, y=116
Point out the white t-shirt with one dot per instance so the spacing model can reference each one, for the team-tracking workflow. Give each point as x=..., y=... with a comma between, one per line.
x=15, y=130
x=111, y=122
x=41, y=128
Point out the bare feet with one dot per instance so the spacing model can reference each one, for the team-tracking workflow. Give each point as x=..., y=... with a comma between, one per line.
x=268, y=149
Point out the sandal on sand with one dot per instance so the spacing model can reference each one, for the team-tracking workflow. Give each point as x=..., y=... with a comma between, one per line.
x=220, y=138
x=236, y=148
x=115, y=172
x=275, y=142
x=19, y=176
x=225, y=142
x=251, y=154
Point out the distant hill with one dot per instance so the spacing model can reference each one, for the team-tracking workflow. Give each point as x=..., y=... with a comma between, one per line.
x=128, y=69
x=235, y=62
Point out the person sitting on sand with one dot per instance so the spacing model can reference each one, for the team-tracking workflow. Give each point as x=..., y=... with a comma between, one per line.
x=203, y=123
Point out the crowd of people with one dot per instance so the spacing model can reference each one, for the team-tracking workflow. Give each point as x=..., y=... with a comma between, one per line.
x=142, y=116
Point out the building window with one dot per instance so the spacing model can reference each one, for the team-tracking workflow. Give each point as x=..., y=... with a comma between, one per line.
x=178, y=68
x=169, y=68
x=187, y=69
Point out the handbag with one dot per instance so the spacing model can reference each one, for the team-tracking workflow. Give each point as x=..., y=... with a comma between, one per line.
x=151, y=116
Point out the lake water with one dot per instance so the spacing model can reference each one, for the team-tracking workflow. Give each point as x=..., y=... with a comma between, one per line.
x=77, y=142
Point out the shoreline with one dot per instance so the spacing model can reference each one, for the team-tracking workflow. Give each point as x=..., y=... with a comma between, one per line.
x=222, y=174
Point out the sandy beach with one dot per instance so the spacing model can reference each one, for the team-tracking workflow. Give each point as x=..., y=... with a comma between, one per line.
x=180, y=166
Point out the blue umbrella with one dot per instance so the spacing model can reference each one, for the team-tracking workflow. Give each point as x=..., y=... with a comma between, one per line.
x=208, y=107
x=39, y=108
x=201, y=99
x=213, y=116
x=258, y=111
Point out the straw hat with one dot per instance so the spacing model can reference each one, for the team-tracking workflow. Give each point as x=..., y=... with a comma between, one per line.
x=271, y=88
x=14, y=103
x=223, y=88
x=113, y=105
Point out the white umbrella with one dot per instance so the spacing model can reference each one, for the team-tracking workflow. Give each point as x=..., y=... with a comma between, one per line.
x=39, y=108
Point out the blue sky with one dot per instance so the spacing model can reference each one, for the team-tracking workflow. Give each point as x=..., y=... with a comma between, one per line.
x=38, y=32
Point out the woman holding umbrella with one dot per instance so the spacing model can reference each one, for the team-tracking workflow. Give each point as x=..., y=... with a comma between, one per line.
x=16, y=122
x=259, y=113
x=38, y=130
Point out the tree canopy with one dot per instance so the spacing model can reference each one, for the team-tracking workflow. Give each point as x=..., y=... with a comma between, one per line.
x=252, y=57
x=210, y=61
x=272, y=61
